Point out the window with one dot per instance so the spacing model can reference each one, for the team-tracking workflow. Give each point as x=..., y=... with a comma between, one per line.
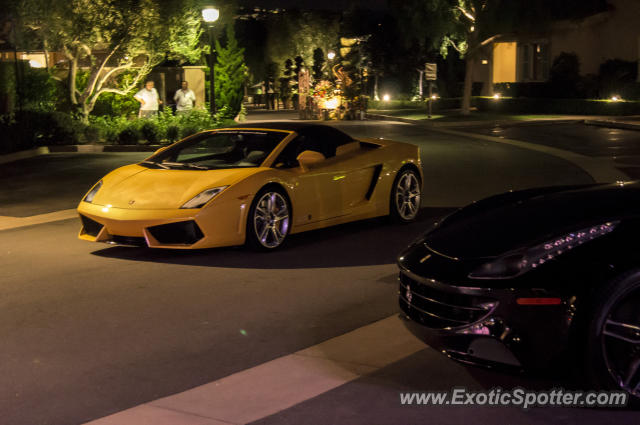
x=322, y=139
x=220, y=149
x=533, y=61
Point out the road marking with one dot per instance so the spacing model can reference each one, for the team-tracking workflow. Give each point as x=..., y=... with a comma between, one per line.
x=601, y=171
x=279, y=384
x=15, y=222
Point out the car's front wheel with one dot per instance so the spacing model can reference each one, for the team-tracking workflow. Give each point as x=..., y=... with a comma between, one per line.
x=405, y=196
x=613, y=358
x=269, y=220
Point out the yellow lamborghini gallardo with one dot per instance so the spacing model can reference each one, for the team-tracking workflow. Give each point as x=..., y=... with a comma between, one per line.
x=252, y=184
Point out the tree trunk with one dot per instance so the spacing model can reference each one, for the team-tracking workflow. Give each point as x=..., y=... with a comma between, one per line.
x=73, y=69
x=468, y=83
x=375, y=87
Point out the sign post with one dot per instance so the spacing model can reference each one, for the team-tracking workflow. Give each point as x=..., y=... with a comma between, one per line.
x=430, y=74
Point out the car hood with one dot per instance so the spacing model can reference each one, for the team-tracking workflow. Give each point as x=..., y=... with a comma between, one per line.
x=138, y=187
x=503, y=223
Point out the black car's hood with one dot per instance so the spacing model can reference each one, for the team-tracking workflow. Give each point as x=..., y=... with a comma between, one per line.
x=502, y=223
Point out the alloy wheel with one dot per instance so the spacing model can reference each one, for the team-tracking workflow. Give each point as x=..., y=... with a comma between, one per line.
x=407, y=196
x=620, y=342
x=271, y=219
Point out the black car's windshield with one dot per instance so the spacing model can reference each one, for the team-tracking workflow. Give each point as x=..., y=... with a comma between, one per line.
x=219, y=149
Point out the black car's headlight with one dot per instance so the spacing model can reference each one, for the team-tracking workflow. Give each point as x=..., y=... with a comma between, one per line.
x=92, y=193
x=202, y=198
x=516, y=263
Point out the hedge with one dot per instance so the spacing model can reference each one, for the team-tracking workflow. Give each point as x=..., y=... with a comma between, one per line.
x=556, y=106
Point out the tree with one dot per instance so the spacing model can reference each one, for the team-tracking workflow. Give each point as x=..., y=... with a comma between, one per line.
x=231, y=73
x=117, y=42
x=318, y=64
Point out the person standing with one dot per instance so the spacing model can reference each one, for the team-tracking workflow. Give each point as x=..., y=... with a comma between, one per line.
x=149, y=100
x=184, y=98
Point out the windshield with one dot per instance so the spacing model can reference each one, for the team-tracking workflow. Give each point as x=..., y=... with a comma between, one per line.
x=218, y=150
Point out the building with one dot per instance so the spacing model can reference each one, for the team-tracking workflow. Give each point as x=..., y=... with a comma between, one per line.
x=520, y=58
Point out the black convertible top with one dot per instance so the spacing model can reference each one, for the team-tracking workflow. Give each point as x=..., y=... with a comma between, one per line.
x=302, y=128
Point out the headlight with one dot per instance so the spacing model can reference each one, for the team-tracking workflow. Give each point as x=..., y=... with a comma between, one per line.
x=517, y=263
x=204, y=197
x=92, y=192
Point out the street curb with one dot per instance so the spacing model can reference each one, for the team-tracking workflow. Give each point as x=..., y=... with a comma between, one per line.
x=17, y=156
x=503, y=123
x=103, y=148
x=613, y=124
x=45, y=150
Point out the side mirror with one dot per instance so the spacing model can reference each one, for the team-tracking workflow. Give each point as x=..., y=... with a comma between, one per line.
x=307, y=158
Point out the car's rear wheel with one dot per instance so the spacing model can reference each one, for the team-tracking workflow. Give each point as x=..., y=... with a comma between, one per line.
x=613, y=360
x=405, y=196
x=269, y=219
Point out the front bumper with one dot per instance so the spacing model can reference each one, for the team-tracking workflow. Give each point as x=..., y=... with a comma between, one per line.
x=485, y=326
x=214, y=226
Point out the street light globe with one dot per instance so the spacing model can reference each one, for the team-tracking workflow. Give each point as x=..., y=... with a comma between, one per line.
x=386, y=98
x=210, y=14
x=331, y=55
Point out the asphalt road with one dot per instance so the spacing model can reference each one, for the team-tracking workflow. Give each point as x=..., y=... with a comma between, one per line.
x=619, y=145
x=87, y=330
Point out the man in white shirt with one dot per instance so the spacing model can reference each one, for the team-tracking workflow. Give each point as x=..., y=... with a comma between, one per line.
x=149, y=100
x=184, y=98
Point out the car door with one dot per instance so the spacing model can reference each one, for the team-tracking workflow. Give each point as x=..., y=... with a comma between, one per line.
x=316, y=190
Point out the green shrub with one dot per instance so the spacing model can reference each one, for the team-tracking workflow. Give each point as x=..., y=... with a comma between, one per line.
x=173, y=133
x=149, y=131
x=163, y=128
x=92, y=133
x=129, y=136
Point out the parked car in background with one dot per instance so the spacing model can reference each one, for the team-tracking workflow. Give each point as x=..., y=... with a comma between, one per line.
x=525, y=279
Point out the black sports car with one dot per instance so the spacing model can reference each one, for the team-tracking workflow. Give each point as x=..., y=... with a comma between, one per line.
x=523, y=279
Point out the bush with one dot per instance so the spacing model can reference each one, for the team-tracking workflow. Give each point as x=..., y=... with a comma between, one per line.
x=564, y=75
x=173, y=133
x=128, y=136
x=163, y=128
x=557, y=106
x=149, y=131
x=32, y=128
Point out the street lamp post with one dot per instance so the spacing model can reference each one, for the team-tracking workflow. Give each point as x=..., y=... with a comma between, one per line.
x=210, y=14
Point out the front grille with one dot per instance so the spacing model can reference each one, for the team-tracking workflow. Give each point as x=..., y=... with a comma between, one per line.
x=180, y=233
x=90, y=227
x=438, y=309
x=128, y=240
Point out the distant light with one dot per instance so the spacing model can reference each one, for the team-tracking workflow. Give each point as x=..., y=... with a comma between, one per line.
x=210, y=14
x=616, y=98
x=35, y=64
x=332, y=103
x=243, y=332
x=473, y=28
x=485, y=62
x=386, y=98
x=497, y=96
x=434, y=96
x=331, y=55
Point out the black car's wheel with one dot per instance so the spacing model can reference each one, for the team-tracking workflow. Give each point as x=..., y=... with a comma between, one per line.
x=613, y=360
x=405, y=196
x=269, y=219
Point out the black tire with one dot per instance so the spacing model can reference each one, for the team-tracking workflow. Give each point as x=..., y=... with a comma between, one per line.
x=609, y=358
x=403, y=196
x=277, y=227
